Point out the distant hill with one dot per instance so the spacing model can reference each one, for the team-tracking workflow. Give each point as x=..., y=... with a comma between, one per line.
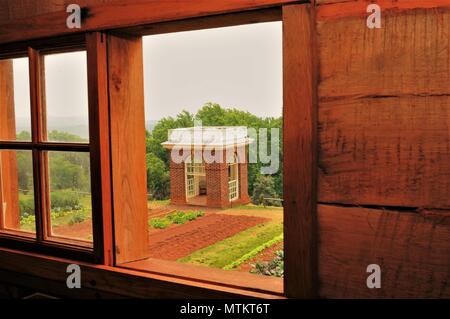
x=76, y=126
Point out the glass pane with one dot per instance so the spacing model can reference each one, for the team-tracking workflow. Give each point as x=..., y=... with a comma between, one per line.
x=17, y=191
x=227, y=83
x=15, y=119
x=66, y=97
x=70, y=195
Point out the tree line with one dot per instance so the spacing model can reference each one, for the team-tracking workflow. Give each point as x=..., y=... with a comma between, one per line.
x=211, y=114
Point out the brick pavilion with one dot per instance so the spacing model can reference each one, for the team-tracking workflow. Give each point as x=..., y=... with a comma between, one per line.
x=208, y=166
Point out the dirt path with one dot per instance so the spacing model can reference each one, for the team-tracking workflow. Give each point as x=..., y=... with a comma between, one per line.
x=79, y=230
x=180, y=241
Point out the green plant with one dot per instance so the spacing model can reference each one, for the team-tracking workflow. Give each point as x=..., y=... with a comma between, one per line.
x=178, y=218
x=253, y=253
x=272, y=268
x=159, y=223
x=227, y=251
x=26, y=206
x=77, y=217
x=64, y=200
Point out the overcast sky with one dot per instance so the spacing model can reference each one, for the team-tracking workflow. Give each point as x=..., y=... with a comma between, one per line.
x=236, y=67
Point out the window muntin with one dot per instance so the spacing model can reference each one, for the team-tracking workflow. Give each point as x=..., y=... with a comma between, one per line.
x=41, y=144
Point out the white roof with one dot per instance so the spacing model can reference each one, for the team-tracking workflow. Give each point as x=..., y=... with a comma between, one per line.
x=208, y=136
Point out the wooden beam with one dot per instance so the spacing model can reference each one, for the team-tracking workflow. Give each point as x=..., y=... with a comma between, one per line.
x=338, y=9
x=97, y=60
x=128, y=164
x=358, y=62
x=112, y=280
x=392, y=151
x=299, y=140
x=9, y=175
x=411, y=247
x=209, y=22
x=103, y=16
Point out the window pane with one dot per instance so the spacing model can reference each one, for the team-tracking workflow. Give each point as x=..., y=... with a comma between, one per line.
x=16, y=190
x=66, y=97
x=70, y=195
x=15, y=119
x=220, y=90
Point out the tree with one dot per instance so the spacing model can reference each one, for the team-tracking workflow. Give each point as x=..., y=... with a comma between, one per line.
x=264, y=187
x=158, y=178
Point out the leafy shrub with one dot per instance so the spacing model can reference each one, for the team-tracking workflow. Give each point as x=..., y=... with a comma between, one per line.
x=272, y=268
x=26, y=206
x=159, y=223
x=64, y=200
x=77, y=217
x=181, y=217
x=178, y=218
x=190, y=216
x=264, y=187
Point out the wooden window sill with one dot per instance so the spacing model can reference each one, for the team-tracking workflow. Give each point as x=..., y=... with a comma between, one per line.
x=118, y=281
x=225, y=278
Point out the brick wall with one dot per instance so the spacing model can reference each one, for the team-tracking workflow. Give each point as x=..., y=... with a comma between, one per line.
x=217, y=185
x=177, y=184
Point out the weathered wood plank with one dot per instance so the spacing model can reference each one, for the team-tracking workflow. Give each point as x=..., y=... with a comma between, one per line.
x=385, y=151
x=409, y=55
x=337, y=9
x=97, y=57
x=412, y=250
x=51, y=272
x=300, y=151
x=123, y=14
x=129, y=178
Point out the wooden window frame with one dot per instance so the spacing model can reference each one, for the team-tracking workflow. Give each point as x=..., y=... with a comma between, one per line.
x=299, y=143
x=42, y=241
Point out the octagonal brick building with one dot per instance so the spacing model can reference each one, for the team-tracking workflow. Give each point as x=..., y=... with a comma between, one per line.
x=208, y=165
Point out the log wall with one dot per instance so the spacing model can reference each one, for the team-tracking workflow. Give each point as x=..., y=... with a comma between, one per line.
x=384, y=153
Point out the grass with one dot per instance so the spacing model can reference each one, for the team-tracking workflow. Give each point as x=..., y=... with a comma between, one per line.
x=232, y=249
x=177, y=218
x=253, y=253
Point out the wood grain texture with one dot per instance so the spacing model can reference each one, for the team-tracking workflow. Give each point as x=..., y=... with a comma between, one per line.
x=409, y=55
x=338, y=9
x=299, y=157
x=96, y=47
x=320, y=2
x=110, y=280
x=129, y=177
x=208, y=22
x=122, y=13
x=385, y=151
x=411, y=248
x=9, y=188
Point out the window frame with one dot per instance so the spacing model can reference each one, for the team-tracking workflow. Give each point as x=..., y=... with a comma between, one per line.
x=42, y=241
x=299, y=137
